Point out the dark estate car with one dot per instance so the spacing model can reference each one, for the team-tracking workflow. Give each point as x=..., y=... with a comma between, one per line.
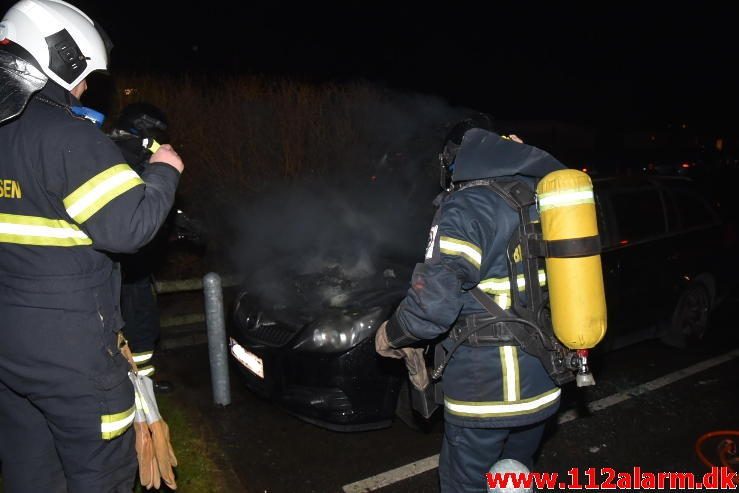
x=665, y=263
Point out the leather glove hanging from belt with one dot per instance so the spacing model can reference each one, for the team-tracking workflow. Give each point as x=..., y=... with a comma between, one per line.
x=413, y=357
x=153, y=446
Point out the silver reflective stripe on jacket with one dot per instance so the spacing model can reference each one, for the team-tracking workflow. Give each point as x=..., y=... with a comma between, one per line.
x=96, y=192
x=493, y=409
x=113, y=425
x=500, y=287
x=40, y=231
x=470, y=252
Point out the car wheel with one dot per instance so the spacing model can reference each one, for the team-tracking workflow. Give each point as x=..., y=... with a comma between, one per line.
x=689, y=321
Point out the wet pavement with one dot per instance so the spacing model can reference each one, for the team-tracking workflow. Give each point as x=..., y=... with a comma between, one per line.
x=658, y=413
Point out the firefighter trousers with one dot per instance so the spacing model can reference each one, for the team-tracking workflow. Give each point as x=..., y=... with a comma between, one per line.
x=467, y=454
x=66, y=403
x=141, y=317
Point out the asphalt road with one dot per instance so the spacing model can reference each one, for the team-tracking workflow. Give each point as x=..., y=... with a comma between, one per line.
x=649, y=407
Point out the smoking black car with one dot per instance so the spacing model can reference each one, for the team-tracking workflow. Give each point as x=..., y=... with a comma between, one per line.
x=314, y=351
x=665, y=261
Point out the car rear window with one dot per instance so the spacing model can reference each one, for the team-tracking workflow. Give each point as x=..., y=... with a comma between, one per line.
x=639, y=214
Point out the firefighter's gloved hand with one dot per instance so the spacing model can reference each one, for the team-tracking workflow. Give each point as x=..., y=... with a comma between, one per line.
x=382, y=344
x=413, y=357
x=416, y=364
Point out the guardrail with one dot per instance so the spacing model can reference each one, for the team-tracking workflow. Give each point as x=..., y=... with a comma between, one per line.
x=185, y=285
x=178, y=330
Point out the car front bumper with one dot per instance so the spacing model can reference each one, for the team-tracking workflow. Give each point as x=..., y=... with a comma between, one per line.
x=351, y=391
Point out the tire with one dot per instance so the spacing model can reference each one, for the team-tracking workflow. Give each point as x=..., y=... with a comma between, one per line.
x=689, y=321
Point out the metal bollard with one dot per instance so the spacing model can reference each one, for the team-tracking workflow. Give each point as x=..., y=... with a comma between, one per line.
x=217, y=347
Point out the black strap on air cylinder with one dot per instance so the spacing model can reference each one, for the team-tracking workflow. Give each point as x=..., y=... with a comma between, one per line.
x=568, y=248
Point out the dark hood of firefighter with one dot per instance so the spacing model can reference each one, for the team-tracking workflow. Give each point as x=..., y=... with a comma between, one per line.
x=485, y=154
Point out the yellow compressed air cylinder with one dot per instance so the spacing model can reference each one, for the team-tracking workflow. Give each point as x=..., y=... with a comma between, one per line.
x=574, y=273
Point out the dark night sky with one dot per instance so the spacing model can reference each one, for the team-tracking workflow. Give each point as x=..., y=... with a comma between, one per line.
x=621, y=65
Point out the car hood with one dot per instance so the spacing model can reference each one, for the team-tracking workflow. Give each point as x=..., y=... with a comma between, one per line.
x=302, y=298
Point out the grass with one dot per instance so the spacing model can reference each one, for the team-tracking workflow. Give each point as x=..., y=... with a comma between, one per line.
x=198, y=471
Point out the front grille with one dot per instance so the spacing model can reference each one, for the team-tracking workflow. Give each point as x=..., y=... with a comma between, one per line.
x=274, y=334
x=257, y=328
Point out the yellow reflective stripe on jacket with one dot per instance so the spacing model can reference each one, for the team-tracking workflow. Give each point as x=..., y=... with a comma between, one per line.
x=564, y=198
x=453, y=246
x=501, y=409
x=499, y=289
x=94, y=194
x=495, y=285
x=40, y=231
x=147, y=371
x=113, y=425
x=142, y=357
x=501, y=285
x=502, y=300
x=509, y=367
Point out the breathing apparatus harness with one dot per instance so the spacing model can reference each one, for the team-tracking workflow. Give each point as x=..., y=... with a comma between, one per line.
x=530, y=328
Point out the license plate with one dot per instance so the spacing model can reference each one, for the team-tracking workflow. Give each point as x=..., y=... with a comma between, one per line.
x=249, y=360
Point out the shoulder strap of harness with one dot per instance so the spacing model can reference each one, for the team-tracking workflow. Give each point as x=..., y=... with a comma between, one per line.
x=524, y=247
x=516, y=193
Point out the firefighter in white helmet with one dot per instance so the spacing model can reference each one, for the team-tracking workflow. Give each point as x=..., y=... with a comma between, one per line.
x=66, y=403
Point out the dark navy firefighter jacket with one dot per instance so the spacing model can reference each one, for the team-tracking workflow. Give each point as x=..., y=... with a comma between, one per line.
x=68, y=200
x=73, y=200
x=487, y=386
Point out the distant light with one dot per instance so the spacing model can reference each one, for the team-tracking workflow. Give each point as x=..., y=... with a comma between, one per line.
x=719, y=145
x=130, y=91
x=585, y=170
x=684, y=125
x=623, y=242
x=653, y=138
x=685, y=165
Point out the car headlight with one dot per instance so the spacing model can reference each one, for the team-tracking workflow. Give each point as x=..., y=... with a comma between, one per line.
x=341, y=330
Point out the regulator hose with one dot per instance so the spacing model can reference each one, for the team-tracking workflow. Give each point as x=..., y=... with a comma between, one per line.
x=727, y=449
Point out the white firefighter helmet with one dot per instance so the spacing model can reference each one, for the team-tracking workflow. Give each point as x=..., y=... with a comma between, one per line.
x=65, y=43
